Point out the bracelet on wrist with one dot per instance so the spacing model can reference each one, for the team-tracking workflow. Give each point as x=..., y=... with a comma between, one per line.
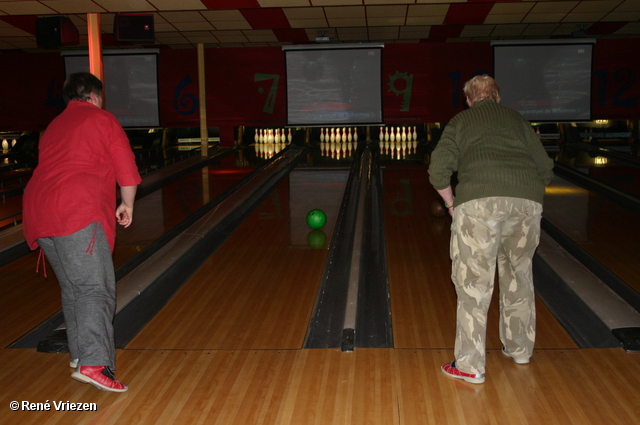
x=448, y=206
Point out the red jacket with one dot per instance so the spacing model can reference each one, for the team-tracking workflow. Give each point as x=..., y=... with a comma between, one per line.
x=83, y=154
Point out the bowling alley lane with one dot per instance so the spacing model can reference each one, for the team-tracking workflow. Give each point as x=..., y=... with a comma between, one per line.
x=606, y=231
x=29, y=297
x=258, y=289
x=423, y=299
x=619, y=170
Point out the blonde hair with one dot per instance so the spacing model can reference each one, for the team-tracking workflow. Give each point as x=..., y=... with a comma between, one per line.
x=481, y=87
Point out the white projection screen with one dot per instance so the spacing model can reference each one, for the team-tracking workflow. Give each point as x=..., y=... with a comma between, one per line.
x=334, y=85
x=546, y=81
x=130, y=84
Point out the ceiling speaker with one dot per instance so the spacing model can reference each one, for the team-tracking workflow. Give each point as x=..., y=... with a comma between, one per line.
x=134, y=27
x=54, y=31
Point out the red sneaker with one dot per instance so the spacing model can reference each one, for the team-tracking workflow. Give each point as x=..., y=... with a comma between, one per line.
x=451, y=371
x=100, y=377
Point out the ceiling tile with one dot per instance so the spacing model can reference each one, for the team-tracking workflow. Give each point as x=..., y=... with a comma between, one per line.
x=436, y=20
x=440, y=1
x=508, y=8
x=222, y=15
x=231, y=25
x=304, y=13
x=477, y=31
x=428, y=10
x=627, y=16
x=77, y=6
x=543, y=17
x=345, y=12
x=388, y=21
x=122, y=5
x=508, y=30
x=584, y=17
x=283, y=3
x=347, y=22
x=189, y=16
x=231, y=38
x=308, y=23
x=539, y=29
x=193, y=26
x=367, y=2
x=511, y=18
x=174, y=5
x=629, y=28
x=596, y=6
x=467, y=14
x=230, y=4
x=261, y=36
x=554, y=6
x=386, y=11
x=266, y=18
x=26, y=8
x=628, y=6
x=334, y=2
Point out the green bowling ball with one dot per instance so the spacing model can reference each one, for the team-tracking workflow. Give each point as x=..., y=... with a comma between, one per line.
x=316, y=239
x=316, y=219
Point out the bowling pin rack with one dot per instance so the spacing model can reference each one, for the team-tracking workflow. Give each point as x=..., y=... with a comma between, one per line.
x=396, y=142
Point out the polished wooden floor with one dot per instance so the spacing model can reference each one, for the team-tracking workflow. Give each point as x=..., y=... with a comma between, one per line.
x=368, y=386
x=226, y=349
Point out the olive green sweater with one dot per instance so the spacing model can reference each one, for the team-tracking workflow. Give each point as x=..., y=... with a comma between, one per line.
x=495, y=152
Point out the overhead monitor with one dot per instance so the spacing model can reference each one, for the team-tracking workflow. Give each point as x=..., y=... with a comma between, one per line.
x=545, y=81
x=334, y=85
x=130, y=84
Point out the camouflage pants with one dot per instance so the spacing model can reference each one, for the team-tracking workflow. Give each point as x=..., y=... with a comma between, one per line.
x=483, y=231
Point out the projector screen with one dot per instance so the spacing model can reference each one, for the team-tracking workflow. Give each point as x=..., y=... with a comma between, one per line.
x=130, y=85
x=334, y=85
x=545, y=82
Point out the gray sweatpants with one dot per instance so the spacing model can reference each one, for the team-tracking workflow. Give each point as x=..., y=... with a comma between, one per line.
x=87, y=283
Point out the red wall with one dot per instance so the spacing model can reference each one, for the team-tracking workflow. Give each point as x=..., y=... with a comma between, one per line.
x=245, y=86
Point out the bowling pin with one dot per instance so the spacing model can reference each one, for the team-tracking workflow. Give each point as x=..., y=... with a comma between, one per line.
x=289, y=136
x=415, y=133
x=344, y=135
x=355, y=134
x=392, y=136
x=386, y=134
x=381, y=136
x=256, y=136
x=5, y=144
x=404, y=134
x=349, y=136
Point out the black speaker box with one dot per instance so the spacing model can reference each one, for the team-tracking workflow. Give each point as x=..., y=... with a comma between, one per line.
x=54, y=31
x=136, y=28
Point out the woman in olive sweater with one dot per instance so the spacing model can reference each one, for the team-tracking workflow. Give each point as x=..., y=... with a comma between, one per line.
x=502, y=173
